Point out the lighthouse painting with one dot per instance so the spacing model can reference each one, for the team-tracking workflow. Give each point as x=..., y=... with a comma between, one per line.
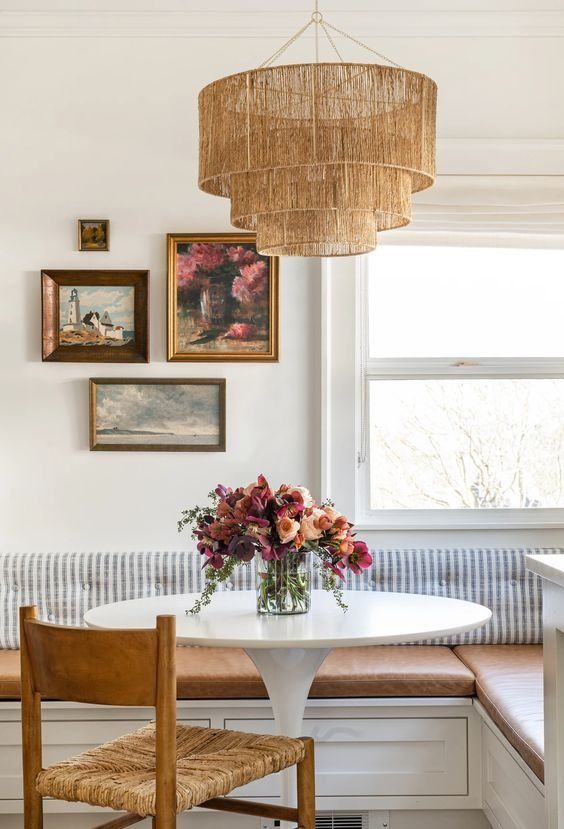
x=93, y=316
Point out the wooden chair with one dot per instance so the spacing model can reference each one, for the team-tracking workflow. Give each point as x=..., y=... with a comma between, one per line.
x=161, y=769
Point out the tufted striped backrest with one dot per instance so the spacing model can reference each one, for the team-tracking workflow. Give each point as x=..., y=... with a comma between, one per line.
x=65, y=585
x=498, y=579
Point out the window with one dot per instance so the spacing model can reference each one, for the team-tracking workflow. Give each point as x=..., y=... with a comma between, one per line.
x=461, y=387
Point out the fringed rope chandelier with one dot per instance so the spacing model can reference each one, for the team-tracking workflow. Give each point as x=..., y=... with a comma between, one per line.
x=318, y=157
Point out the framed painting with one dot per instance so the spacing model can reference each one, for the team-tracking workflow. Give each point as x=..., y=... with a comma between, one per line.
x=93, y=234
x=95, y=316
x=222, y=299
x=159, y=415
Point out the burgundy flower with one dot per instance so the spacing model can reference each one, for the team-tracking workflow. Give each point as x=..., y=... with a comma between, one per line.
x=223, y=530
x=275, y=552
x=359, y=559
x=223, y=491
x=242, y=507
x=223, y=509
x=334, y=567
x=214, y=558
x=290, y=510
x=242, y=547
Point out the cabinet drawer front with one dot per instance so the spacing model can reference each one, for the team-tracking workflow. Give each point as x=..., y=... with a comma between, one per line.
x=378, y=757
x=60, y=741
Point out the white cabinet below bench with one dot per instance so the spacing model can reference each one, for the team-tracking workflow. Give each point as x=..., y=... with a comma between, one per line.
x=513, y=798
x=379, y=757
x=370, y=754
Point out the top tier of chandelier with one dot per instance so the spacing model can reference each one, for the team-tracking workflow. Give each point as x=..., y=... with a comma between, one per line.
x=317, y=158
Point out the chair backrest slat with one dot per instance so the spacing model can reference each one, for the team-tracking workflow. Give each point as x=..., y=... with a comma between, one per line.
x=106, y=667
x=103, y=667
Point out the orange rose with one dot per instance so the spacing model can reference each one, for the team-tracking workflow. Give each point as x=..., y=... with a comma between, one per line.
x=332, y=514
x=346, y=547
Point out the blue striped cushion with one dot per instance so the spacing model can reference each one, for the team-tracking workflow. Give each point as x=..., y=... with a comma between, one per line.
x=65, y=585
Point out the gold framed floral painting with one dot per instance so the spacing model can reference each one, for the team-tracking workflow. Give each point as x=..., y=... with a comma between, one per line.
x=222, y=299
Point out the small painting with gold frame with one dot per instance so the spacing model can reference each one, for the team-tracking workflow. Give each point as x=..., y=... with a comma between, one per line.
x=222, y=299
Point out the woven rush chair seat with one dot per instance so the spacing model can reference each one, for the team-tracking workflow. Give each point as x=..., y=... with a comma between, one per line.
x=210, y=763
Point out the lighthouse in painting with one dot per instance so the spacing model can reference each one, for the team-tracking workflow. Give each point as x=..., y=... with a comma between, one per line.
x=74, y=322
x=95, y=327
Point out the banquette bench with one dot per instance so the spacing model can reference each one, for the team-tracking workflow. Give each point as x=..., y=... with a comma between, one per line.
x=498, y=667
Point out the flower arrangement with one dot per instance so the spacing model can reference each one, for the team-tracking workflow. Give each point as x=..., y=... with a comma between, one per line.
x=281, y=528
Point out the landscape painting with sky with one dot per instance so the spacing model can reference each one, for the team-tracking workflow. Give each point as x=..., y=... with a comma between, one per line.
x=148, y=414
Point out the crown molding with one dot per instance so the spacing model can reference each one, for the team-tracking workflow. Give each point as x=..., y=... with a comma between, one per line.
x=279, y=24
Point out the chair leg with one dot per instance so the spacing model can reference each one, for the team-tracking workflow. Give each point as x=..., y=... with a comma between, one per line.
x=33, y=808
x=306, y=787
x=165, y=822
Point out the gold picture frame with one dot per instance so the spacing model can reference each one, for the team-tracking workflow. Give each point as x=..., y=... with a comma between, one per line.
x=224, y=308
x=93, y=234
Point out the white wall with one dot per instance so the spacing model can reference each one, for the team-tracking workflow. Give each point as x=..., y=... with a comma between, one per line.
x=107, y=127
x=98, y=117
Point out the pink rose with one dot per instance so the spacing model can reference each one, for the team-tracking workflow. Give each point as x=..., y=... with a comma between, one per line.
x=324, y=522
x=308, y=529
x=287, y=529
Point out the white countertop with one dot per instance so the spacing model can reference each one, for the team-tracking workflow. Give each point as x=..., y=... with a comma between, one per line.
x=548, y=567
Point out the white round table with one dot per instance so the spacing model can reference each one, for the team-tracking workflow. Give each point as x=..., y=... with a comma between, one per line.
x=288, y=650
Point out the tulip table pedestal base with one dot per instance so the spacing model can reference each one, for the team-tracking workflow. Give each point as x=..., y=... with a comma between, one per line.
x=288, y=674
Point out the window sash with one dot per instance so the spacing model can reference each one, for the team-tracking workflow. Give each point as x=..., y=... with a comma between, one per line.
x=370, y=369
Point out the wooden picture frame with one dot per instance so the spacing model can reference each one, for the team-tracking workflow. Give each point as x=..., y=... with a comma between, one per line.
x=226, y=313
x=88, y=230
x=111, y=438
x=97, y=336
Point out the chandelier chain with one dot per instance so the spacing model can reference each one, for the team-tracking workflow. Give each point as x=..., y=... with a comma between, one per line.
x=286, y=45
x=318, y=20
x=331, y=41
x=364, y=45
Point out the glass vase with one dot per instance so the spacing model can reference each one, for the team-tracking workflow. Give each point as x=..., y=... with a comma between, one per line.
x=284, y=585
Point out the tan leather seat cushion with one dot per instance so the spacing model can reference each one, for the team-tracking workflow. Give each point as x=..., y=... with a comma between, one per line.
x=509, y=684
x=10, y=686
x=228, y=673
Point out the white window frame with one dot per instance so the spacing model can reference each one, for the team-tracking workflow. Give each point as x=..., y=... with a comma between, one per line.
x=343, y=478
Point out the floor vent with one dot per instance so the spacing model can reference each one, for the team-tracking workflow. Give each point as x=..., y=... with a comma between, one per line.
x=341, y=820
